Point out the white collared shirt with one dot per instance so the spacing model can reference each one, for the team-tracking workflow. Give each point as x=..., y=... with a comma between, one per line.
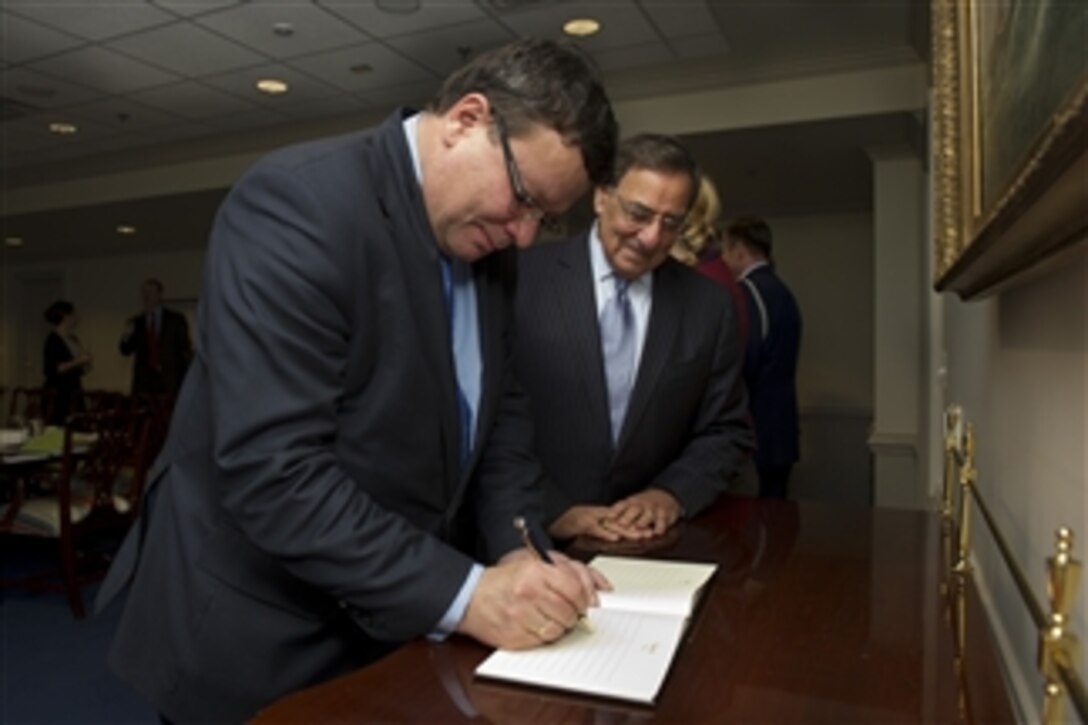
x=640, y=291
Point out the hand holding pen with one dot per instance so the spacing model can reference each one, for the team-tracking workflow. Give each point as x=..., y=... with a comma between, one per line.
x=541, y=555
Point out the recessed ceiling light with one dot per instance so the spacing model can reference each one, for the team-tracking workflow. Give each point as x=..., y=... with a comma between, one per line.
x=62, y=128
x=398, y=7
x=284, y=30
x=581, y=27
x=361, y=68
x=13, y=241
x=272, y=86
x=126, y=229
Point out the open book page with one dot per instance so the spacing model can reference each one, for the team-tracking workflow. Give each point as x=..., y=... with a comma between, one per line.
x=636, y=631
x=627, y=656
x=652, y=585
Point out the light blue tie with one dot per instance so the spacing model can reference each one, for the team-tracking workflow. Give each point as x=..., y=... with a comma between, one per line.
x=618, y=349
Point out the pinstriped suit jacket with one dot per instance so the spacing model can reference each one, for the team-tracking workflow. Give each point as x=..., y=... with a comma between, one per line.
x=685, y=429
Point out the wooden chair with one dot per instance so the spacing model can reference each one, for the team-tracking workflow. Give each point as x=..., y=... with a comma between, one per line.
x=30, y=404
x=98, y=401
x=91, y=502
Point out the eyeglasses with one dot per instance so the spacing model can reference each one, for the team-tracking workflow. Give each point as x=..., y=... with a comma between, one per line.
x=643, y=216
x=528, y=204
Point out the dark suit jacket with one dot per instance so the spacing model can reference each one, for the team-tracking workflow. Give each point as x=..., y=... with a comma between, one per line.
x=301, y=512
x=770, y=366
x=685, y=428
x=175, y=352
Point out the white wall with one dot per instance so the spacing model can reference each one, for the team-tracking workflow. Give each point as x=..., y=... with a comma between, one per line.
x=1018, y=363
x=827, y=260
x=105, y=292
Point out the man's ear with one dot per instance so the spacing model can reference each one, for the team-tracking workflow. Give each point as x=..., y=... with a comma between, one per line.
x=467, y=114
x=599, y=193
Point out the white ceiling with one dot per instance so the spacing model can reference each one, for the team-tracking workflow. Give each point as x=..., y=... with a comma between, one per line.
x=138, y=76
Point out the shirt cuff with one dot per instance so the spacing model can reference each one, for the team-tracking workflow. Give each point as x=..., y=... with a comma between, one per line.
x=456, y=611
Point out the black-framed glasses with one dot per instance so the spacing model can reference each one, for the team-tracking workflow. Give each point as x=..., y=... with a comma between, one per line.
x=525, y=200
x=643, y=216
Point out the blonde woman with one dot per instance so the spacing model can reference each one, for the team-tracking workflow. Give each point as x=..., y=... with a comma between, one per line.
x=701, y=246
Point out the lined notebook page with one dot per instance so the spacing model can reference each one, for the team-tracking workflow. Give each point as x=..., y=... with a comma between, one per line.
x=652, y=585
x=626, y=656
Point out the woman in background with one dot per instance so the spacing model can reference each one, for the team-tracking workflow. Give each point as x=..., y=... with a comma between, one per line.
x=701, y=245
x=65, y=362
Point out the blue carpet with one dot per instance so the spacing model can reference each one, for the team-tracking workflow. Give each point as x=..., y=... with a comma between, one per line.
x=53, y=668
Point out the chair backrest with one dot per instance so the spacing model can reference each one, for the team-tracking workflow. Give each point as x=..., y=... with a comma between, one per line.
x=98, y=401
x=29, y=404
x=104, y=462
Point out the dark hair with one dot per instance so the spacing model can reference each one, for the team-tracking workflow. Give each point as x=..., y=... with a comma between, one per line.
x=154, y=283
x=655, y=152
x=58, y=311
x=552, y=83
x=753, y=233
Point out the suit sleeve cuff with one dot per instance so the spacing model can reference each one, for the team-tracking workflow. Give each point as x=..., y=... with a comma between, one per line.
x=456, y=611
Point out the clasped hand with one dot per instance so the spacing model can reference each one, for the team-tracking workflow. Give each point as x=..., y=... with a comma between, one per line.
x=523, y=602
x=643, y=515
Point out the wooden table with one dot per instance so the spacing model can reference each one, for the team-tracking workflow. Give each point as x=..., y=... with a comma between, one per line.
x=816, y=614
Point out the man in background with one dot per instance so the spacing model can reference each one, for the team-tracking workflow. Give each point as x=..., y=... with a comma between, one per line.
x=772, y=349
x=335, y=431
x=631, y=360
x=158, y=338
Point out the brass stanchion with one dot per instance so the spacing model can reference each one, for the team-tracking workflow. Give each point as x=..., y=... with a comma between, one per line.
x=968, y=476
x=1058, y=647
x=953, y=422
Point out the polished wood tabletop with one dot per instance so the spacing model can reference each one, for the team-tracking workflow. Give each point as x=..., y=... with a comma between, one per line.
x=816, y=614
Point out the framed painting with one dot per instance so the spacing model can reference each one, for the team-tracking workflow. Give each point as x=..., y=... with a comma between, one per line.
x=1010, y=138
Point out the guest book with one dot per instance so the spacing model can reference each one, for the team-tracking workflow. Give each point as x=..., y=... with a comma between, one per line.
x=634, y=636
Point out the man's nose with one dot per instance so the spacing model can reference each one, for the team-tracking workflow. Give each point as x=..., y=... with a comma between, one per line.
x=652, y=236
x=523, y=230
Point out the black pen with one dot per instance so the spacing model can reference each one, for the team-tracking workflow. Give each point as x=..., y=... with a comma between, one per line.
x=542, y=555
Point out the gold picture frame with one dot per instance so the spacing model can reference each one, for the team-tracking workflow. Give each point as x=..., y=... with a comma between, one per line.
x=1010, y=139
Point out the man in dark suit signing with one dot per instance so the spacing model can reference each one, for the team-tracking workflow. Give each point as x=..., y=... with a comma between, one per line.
x=335, y=428
x=773, y=346
x=631, y=360
x=159, y=339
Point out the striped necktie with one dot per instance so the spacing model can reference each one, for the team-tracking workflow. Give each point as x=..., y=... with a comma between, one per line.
x=618, y=350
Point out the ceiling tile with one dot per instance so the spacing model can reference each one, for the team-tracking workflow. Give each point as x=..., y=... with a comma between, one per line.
x=243, y=83
x=24, y=40
x=313, y=28
x=42, y=91
x=329, y=106
x=700, y=46
x=122, y=114
x=415, y=95
x=191, y=8
x=677, y=20
x=188, y=50
x=247, y=120
x=104, y=70
x=387, y=68
x=442, y=50
x=632, y=56
x=622, y=23
x=93, y=19
x=177, y=132
x=193, y=100
x=381, y=24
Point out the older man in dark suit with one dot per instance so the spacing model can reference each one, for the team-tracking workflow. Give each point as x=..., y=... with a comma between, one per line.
x=631, y=360
x=158, y=338
x=355, y=307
